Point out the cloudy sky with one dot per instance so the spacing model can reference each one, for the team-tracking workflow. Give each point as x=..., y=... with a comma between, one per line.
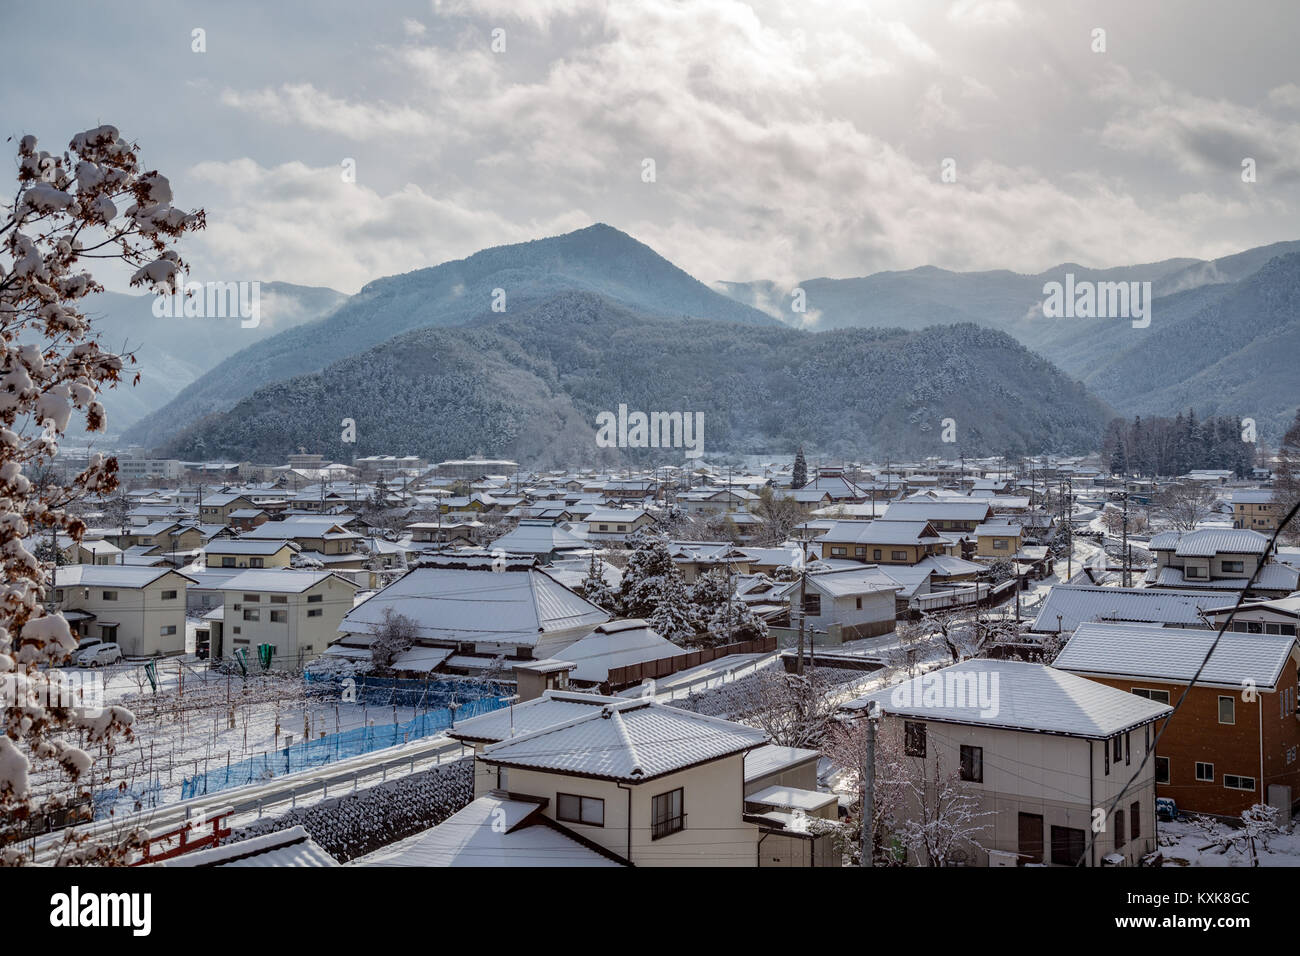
x=791, y=138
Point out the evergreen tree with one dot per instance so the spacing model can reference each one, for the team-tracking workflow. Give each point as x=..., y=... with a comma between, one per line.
x=674, y=616
x=646, y=576
x=596, y=589
x=800, y=476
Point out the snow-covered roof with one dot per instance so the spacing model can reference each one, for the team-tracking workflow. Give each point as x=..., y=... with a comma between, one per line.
x=946, y=509
x=280, y=580
x=617, y=644
x=248, y=546
x=1026, y=697
x=1209, y=542
x=774, y=758
x=1003, y=529
x=290, y=847
x=552, y=708
x=635, y=741
x=110, y=575
x=538, y=537
x=493, y=830
x=516, y=606
x=1077, y=603
x=1174, y=654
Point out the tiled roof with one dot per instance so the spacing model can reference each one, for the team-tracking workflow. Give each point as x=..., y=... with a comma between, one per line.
x=1077, y=603
x=1174, y=654
x=633, y=741
x=1018, y=696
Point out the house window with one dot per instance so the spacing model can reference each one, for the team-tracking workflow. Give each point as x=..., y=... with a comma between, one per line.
x=168, y=630
x=898, y=555
x=315, y=612
x=1067, y=846
x=858, y=603
x=1162, y=770
x=58, y=594
x=227, y=562
x=1117, y=745
x=256, y=563
x=1205, y=771
x=1227, y=710
x=279, y=617
x=1194, y=572
x=1134, y=820
x=279, y=599
x=315, y=598
x=110, y=595
x=812, y=605
x=1119, y=829
x=169, y=595
x=572, y=808
x=914, y=738
x=972, y=763
x=839, y=552
x=252, y=614
x=667, y=815
x=1234, y=782
x=251, y=598
x=875, y=554
x=1234, y=565
x=999, y=544
x=1159, y=696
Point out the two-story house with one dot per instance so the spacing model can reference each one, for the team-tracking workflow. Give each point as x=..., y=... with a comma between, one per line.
x=1235, y=739
x=142, y=609
x=1038, y=750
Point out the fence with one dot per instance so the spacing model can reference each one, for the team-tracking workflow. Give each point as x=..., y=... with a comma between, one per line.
x=664, y=666
x=325, y=750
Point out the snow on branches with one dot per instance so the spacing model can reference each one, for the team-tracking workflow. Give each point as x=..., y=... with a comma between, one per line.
x=64, y=213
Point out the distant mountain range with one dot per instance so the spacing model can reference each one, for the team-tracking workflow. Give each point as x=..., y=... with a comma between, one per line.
x=530, y=384
x=171, y=353
x=595, y=318
x=1220, y=334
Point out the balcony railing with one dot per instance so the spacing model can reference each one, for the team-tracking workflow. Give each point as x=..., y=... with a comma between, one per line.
x=667, y=826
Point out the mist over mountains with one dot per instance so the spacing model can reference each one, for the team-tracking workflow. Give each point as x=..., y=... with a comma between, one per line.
x=1213, y=322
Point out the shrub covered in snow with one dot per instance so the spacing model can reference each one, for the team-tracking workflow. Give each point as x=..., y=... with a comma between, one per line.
x=358, y=823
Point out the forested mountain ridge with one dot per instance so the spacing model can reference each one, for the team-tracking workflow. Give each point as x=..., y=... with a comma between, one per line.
x=530, y=384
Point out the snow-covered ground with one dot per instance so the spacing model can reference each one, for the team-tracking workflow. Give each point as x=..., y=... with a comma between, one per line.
x=184, y=728
x=1183, y=843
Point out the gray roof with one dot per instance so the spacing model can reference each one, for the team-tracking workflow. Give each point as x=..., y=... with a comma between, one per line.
x=553, y=707
x=1077, y=603
x=1210, y=541
x=636, y=740
x=942, y=509
x=1173, y=654
x=774, y=758
x=1020, y=696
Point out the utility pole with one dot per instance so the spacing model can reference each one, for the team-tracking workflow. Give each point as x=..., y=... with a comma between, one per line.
x=803, y=584
x=1069, y=528
x=1124, y=546
x=868, y=777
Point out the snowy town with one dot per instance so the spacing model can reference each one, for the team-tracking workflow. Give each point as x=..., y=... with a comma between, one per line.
x=662, y=435
x=369, y=663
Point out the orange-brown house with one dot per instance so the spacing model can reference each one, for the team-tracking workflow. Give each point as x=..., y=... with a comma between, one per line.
x=1235, y=741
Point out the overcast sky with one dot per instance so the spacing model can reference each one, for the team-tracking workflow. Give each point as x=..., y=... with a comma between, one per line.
x=791, y=138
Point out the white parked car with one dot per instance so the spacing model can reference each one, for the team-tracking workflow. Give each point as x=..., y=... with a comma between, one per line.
x=98, y=655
